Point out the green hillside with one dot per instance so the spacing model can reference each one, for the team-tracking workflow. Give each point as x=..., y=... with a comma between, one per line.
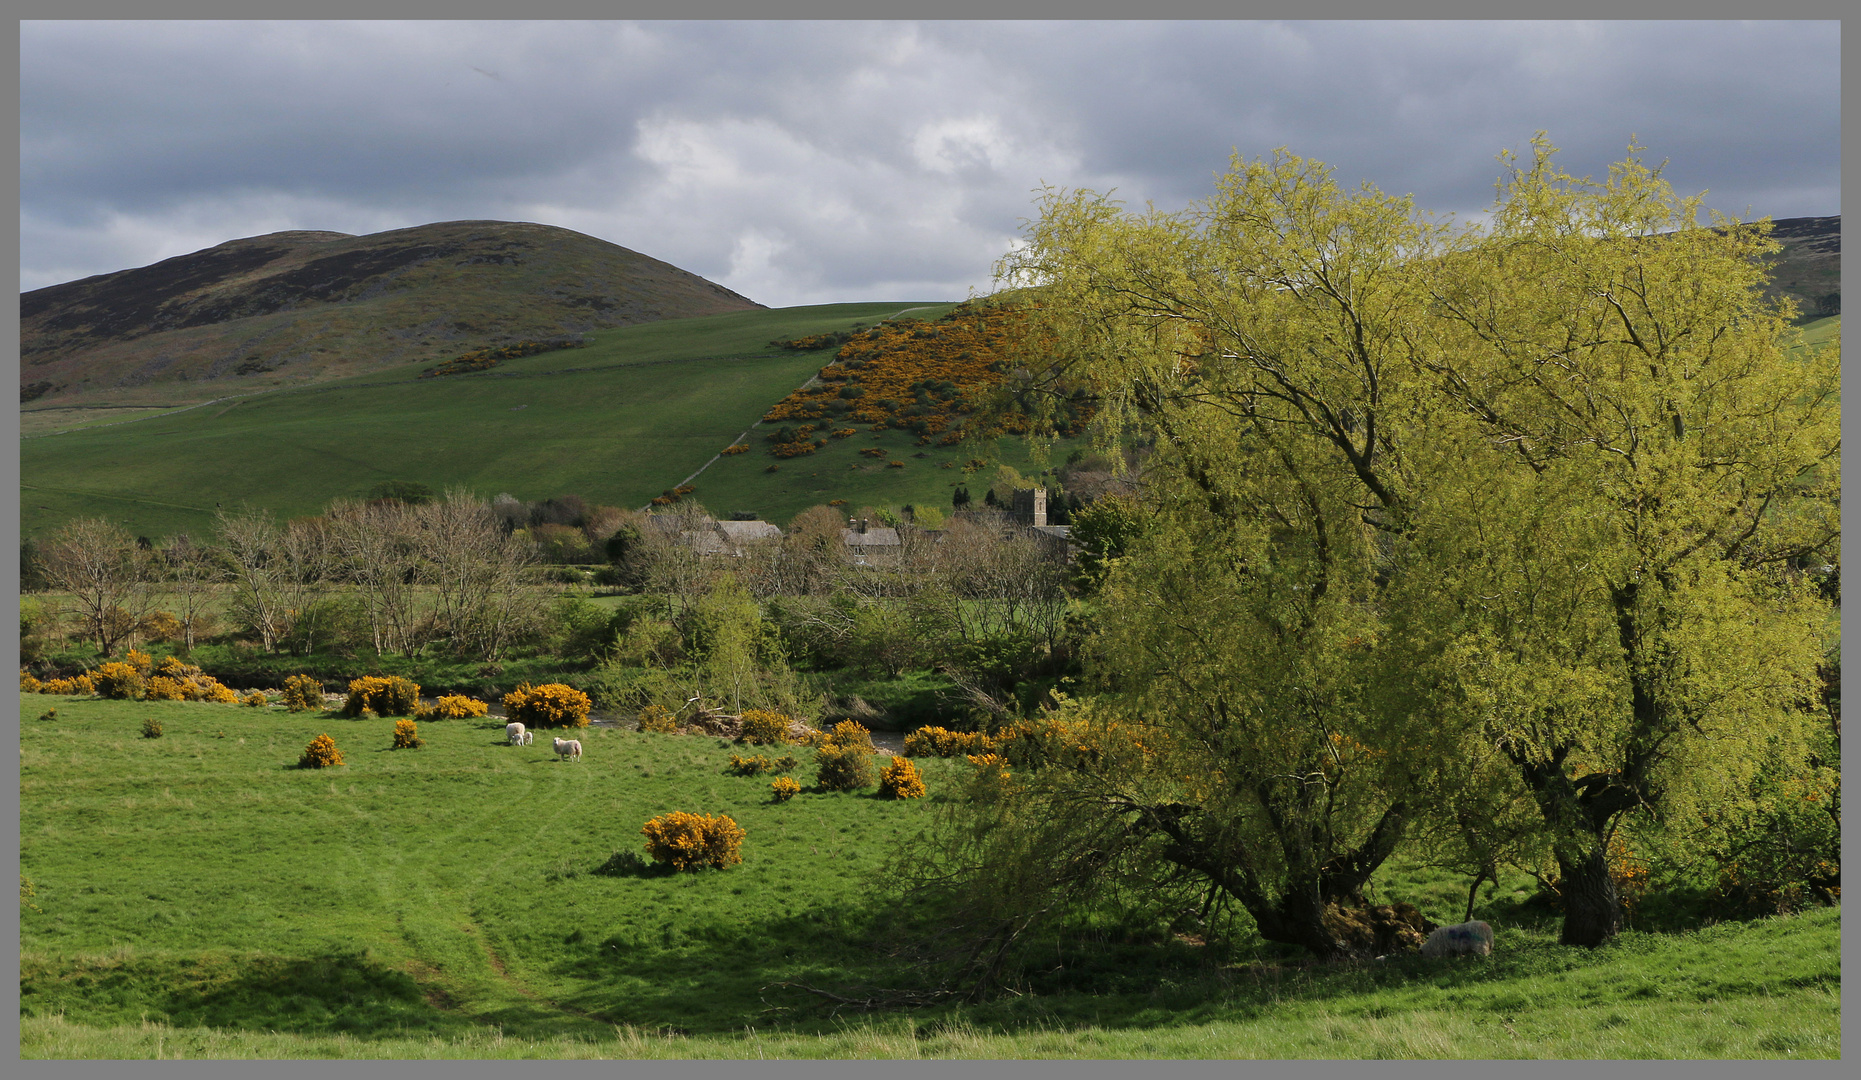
x=633, y=414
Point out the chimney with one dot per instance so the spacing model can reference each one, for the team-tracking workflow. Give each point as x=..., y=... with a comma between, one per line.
x=862, y=526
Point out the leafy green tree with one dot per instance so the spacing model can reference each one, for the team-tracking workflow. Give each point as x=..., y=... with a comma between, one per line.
x=1420, y=489
x=1104, y=532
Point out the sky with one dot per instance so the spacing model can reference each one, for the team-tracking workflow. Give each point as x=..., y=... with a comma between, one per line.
x=828, y=162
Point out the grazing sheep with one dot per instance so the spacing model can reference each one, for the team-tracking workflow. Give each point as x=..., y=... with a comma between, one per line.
x=516, y=734
x=569, y=748
x=1472, y=937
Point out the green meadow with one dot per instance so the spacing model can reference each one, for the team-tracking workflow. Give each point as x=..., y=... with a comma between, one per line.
x=618, y=422
x=196, y=895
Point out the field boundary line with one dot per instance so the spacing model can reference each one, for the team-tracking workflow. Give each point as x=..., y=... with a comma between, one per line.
x=157, y=416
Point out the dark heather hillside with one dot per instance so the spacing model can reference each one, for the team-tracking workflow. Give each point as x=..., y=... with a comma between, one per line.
x=1809, y=268
x=306, y=306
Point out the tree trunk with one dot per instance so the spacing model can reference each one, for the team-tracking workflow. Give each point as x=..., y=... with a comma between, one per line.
x=1592, y=906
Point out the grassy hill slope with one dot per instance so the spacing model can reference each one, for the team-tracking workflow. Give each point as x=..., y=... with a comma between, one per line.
x=295, y=307
x=617, y=422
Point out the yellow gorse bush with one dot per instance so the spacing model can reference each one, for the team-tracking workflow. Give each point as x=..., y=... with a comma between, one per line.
x=301, y=693
x=688, y=841
x=784, y=788
x=388, y=695
x=118, y=681
x=407, y=735
x=141, y=661
x=754, y=765
x=451, y=707
x=766, y=728
x=28, y=682
x=76, y=686
x=162, y=688
x=256, y=699
x=657, y=718
x=220, y=694
x=901, y=780
x=944, y=743
x=320, y=754
x=551, y=705
x=843, y=757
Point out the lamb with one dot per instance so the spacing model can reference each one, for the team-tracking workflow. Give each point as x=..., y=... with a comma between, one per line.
x=516, y=734
x=569, y=748
x=1474, y=938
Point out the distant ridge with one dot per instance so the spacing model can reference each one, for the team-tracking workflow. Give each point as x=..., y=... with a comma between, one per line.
x=1809, y=268
x=304, y=306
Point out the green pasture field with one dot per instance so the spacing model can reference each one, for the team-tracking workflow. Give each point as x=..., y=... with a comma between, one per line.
x=195, y=895
x=617, y=422
x=1821, y=331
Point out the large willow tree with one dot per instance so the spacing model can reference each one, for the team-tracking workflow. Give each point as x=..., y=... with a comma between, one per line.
x=1441, y=518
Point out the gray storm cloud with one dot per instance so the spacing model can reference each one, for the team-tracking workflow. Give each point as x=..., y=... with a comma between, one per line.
x=816, y=162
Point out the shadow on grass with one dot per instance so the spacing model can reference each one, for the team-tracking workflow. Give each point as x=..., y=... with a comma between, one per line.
x=716, y=978
x=347, y=993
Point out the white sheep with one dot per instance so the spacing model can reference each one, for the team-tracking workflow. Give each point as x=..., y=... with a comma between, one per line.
x=1474, y=938
x=569, y=748
x=516, y=734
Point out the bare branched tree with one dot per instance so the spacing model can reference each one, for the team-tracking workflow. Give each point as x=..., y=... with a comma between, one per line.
x=251, y=541
x=107, y=577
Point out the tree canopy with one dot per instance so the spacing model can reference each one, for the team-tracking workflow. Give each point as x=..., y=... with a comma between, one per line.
x=1446, y=520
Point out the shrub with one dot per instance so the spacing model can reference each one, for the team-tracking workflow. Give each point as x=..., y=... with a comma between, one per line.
x=901, y=780
x=384, y=695
x=301, y=692
x=320, y=754
x=657, y=718
x=256, y=699
x=784, y=788
x=219, y=693
x=943, y=743
x=551, y=705
x=174, y=667
x=407, y=735
x=754, y=765
x=849, y=733
x=688, y=841
x=151, y=728
x=765, y=728
x=118, y=681
x=843, y=768
x=139, y=660
x=49, y=714
x=28, y=682
x=451, y=707
x=162, y=688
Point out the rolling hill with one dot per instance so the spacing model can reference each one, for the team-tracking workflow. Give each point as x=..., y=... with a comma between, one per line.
x=617, y=422
x=304, y=307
